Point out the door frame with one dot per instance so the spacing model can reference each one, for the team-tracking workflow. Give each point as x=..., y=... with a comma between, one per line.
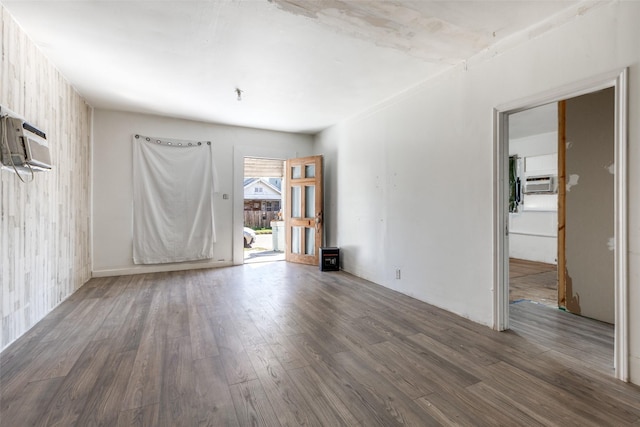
x=239, y=153
x=619, y=81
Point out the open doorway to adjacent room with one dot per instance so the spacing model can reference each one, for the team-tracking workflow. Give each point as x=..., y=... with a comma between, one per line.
x=264, y=231
x=533, y=205
x=561, y=205
x=561, y=222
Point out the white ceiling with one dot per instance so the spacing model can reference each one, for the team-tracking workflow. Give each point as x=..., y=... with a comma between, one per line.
x=302, y=65
x=542, y=119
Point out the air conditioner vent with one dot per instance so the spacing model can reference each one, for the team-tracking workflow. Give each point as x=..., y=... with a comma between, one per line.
x=539, y=184
x=33, y=129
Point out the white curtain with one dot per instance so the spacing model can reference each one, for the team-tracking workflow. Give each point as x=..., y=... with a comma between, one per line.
x=173, y=185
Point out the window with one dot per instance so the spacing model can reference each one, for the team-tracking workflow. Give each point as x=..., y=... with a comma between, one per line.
x=257, y=190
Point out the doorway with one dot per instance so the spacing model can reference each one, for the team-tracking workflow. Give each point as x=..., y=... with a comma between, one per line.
x=618, y=244
x=263, y=202
x=533, y=205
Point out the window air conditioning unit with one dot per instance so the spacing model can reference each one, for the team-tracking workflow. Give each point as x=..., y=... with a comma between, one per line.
x=539, y=184
x=24, y=146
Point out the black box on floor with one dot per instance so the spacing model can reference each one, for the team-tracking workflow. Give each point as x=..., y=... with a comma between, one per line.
x=329, y=259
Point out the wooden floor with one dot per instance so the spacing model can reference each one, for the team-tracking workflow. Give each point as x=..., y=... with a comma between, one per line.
x=282, y=344
x=533, y=281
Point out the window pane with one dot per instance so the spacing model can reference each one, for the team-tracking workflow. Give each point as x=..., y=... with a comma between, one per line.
x=296, y=202
x=296, y=172
x=310, y=200
x=310, y=171
x=310, y=235
x=295, y=240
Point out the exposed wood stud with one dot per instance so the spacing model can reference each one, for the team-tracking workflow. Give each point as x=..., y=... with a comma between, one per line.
x=562, y=194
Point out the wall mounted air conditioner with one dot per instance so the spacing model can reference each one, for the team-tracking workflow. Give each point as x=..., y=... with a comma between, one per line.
x=539, y=184
x=24, y=146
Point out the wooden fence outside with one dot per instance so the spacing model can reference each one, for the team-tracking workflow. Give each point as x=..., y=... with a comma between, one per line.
x=259, y=219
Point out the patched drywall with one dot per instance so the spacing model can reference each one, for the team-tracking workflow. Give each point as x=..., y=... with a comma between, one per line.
x=398, y=26
x=438, y=32
x=590, y=205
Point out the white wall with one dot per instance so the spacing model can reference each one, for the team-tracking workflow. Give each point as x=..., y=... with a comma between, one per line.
x=113, y=192
x=413, y=178
x=533, y=234
x=44, y=224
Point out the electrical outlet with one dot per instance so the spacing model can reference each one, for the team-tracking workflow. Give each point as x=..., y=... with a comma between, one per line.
x=398, y=273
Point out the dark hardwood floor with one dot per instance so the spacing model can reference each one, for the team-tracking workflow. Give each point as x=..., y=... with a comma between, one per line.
x=283, y=344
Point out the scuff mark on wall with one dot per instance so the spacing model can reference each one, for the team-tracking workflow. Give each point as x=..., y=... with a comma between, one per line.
x=568, y=144
x=611, y=168
x=573, y=180
x=611, y=244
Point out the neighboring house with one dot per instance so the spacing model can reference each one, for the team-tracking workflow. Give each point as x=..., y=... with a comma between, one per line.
x=262, y=194
x=262, y=201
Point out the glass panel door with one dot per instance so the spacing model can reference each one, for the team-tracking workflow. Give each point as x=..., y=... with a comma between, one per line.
x=303, y=213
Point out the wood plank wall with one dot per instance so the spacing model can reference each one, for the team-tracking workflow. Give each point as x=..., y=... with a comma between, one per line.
x=44, y=225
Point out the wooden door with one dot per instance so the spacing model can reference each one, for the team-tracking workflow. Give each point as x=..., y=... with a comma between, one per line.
x=303, y=212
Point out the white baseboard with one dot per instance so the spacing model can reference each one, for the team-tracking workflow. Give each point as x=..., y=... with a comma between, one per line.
x=157, y=268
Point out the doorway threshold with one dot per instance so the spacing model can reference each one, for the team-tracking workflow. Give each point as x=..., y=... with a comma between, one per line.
x=263, y=256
